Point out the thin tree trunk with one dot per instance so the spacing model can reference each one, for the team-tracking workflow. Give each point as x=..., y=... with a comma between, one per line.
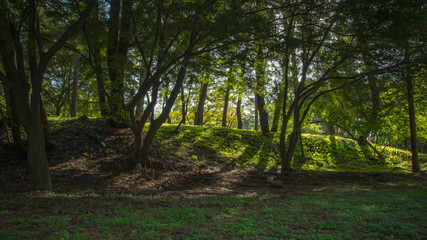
x=95, y=51
x=256, y=113
x=183, y=107
x=140, y=102
x=278, y=108
x=74, y=95
x=412, y=124
x=201, y=105
x=239, y=113
x=260, y=91
x=263, y=115
x=225, y=109
x=302, y=146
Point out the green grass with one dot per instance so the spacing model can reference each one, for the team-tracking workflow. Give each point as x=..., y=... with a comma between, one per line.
x=384, y=214
x=251, y=148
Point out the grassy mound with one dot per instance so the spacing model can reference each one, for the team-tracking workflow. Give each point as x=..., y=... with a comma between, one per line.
x=251, y=148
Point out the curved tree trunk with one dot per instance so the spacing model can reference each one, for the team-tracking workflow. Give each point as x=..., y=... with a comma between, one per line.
x=141, y=154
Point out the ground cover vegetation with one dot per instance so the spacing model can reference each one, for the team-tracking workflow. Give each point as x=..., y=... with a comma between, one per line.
x=245, y=98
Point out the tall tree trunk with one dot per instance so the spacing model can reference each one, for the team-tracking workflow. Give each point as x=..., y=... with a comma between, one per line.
x=256, y=113
x=278, y=106
x=46, y=131
x=260, y=90
x=140, y=102
x=95, y=50
x=15, y=125
x=412, y=124
x=30, y=116
x=201, y=105
x=74, y=94
x=183, y=107
x=239, y=113
x=36, y=155
x=263, y=115
x=225, y=109
x=118, y=39
x=15, y=78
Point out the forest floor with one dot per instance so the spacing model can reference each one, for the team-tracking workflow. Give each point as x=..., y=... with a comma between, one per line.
x=180, y=198
x=91, y=156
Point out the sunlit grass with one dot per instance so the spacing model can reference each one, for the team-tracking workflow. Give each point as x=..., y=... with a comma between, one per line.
x=252, y=149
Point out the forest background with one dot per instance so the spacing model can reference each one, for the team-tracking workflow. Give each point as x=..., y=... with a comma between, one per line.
x=349, y=68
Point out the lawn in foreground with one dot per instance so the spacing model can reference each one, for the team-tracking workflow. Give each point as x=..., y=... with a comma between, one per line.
x=376, y=214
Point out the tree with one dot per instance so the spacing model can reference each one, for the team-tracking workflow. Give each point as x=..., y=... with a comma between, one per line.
x=322, y=52
x=20, y=33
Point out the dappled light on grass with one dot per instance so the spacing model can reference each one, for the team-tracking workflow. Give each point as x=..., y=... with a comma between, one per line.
x=357, y=215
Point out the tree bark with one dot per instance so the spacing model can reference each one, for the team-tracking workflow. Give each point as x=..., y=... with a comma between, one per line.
x=256, y=113
x=239, y=113
x=15, y=125
x=278, y=106
x=95, y=51
x=263, y=115
x=140, y=103
x=46, y=131
x=201, y=105
x=36, y=155
x=74, y=94
x=118, y=39
x=260, y=91
x=183, y=107
x=15, y=78
x=142, y=153
x=412, y=124
x=225, y=109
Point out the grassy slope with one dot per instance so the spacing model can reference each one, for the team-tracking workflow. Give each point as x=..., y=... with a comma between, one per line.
x=386, y=210
x=250, y=148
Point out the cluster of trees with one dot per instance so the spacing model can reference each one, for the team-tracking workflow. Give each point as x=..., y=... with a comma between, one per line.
x=273, y=65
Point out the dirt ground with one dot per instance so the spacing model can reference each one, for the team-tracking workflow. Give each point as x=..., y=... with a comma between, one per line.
x=89, y=157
